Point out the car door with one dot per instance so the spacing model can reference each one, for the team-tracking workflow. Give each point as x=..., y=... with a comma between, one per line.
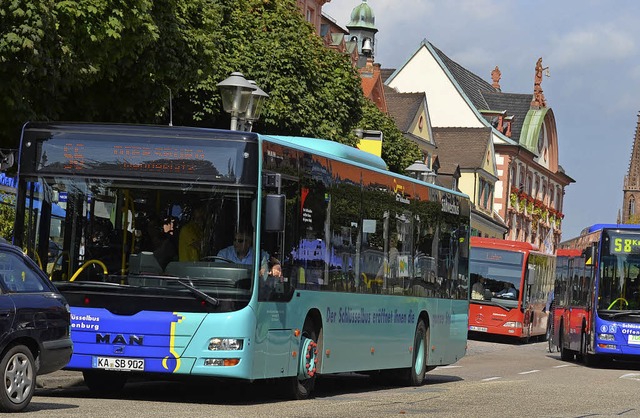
x=7, y=314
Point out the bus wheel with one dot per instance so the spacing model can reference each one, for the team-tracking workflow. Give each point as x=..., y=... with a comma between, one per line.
x=104, y=382
x=590, y=360
x=301, y=386
x=565, y=354
x=415, y=375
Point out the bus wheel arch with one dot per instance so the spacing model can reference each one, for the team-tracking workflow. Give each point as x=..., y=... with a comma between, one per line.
x=589, y=359
x=414, y=376
x=302, y=384
x=565, y=353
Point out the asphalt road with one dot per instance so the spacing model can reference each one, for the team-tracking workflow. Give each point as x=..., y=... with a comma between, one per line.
x=495, y=379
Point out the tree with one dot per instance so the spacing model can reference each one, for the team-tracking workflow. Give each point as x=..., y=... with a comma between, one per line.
x=313, y=91
x=100, y=60
x=97, y=60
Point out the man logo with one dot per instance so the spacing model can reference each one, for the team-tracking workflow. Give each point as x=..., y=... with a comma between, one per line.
x=119, y=339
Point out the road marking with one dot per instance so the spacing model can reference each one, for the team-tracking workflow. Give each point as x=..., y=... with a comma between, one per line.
x=631, y=376
x=530, y=371
x=488, y=379
x=448, y=367
x=563, y=365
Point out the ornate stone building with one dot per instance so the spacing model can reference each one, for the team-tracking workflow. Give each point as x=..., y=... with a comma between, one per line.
x=529, y=192
x=631, y=190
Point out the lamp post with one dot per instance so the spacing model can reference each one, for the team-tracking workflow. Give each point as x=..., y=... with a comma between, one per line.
x=258, y=96
x=235, y=91
x=422, y=172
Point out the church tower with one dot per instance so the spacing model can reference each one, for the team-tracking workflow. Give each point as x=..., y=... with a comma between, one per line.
x=631, y=190
x=362, y=31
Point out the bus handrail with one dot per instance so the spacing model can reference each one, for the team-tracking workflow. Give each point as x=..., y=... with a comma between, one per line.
x=88, y=263
x=55, y=262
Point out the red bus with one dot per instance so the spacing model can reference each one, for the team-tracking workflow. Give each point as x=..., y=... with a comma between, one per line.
x=570, y=311
x=511, y=282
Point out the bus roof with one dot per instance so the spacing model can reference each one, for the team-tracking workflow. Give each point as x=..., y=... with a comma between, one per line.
x=568, y=252
x=592, y=234
x=502, y=244
x=333, y=148
x=598, y=227
x=336, y=150
x=137, y=129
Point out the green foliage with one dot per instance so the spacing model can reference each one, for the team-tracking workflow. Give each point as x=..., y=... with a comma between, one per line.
x=397, y=151
x=313, y=91
x=7, y=220
x=118, y=61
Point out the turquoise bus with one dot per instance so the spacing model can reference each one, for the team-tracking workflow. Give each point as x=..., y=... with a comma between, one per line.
x=374, y=265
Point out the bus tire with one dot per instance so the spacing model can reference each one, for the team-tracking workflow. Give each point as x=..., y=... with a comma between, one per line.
x=565, y=353
x=590, y=360
x=301, y=386
x=19, y=376
x=414, y=376
x=100, y=381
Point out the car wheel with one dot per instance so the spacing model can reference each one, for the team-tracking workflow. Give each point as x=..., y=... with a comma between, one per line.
x=19, y=377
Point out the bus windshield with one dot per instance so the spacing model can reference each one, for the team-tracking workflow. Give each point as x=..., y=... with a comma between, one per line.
x=619, y=286
x=501, y=271
x=148, y=238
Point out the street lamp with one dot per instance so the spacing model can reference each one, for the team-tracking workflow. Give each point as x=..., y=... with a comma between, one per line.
x=420, y=170
x=235, y=91
x=258, y=96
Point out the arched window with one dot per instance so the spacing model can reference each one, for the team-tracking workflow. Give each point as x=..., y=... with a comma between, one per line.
x=632, y=206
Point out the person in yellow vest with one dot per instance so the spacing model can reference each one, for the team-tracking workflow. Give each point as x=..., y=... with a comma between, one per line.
x=190, y=241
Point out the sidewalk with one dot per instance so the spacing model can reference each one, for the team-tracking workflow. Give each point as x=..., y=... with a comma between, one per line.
x=60, y=379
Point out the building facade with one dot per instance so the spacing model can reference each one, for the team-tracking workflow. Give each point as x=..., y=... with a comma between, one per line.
x=528, y=195
x=631, y=189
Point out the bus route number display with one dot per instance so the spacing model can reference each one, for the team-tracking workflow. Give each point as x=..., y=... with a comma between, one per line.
x=625, y=244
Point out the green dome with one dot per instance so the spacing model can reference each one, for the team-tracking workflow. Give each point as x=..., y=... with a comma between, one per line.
x=362, y=17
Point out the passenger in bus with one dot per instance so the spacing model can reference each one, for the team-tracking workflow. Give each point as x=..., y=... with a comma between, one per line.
x=190, y=240
x=275, y=269
x=168, y=249
x=477, y=290
x=509, y=291
x=273, y=284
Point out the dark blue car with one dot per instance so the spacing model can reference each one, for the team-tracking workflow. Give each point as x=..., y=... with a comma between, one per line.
x=34, y=328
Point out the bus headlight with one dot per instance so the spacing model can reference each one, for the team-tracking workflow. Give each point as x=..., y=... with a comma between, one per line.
x=606, y=337
x=218, y=344
x=513, y=324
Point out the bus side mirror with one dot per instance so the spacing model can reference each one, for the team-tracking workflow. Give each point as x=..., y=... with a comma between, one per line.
x=589, y=254
x=274, y=206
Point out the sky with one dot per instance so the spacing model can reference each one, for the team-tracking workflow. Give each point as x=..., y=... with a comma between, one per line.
x=592, y=49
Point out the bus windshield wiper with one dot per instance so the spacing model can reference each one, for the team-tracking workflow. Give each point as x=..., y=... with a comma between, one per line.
x=624, y=313
x=213, y=301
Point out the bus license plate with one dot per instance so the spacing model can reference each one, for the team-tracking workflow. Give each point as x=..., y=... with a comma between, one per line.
x=122, y=364
x=474, y=328
x=634, y=339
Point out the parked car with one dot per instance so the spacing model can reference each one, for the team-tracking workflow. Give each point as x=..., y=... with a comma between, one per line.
x=34, y=328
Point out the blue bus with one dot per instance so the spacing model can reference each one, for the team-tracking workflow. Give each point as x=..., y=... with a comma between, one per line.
x=597, y=295
x=147, y=210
